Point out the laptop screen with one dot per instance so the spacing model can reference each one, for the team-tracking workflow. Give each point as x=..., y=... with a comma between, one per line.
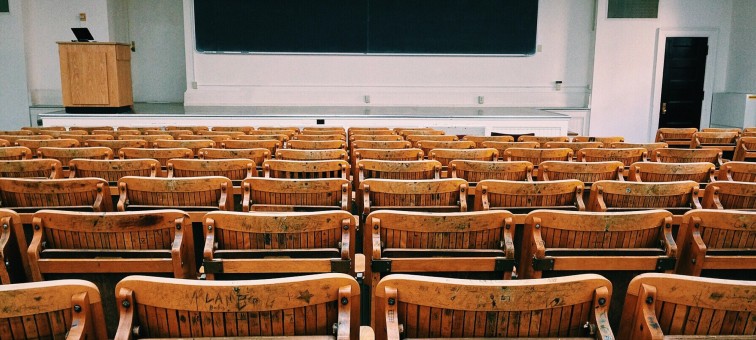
x=82, y=34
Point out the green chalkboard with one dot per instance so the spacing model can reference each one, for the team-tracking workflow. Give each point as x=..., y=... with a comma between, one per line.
x=457, y=27
x=4, y=6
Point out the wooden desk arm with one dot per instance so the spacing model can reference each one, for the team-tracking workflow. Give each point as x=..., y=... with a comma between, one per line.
x=346, y=197
x=365, y=201
x=463, y=197
x=345, y=240
x=647, y=326
x=393, y=329
x=508, y=244
x=223, y=202
x=695, y=202
x=251, y=170
x=246, y=197
x=81, y=323
x=101, y=195
x=123, y=199
x=5, y=236
x=599, y=314
x=125, y=303
x=343, y=328
x=579, y=203
x=668, y=239
x=178, y=250
x=35, y=249
x=711, y=198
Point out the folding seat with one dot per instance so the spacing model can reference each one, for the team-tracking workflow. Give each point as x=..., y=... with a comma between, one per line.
x=675, y=137
x=605, y=140
x=284, y=194
x=677, y=155
x=626, y=156
x=543, y=139
x=677, y=197
x=523, y=197
x=275, y=168
x=735, y=171
x=31, y=168
x=730, y=195
x=475, y=171
x=113, y=170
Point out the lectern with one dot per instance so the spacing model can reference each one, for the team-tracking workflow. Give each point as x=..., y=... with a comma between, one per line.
x=96, y=77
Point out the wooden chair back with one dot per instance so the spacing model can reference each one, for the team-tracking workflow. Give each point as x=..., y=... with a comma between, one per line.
x=323, y=129
x=279, y=137
x=195, y=129
x=161, y=155
x=31, y=168
x=433, y=195
x=406, y=242
x=536, y=156
x=420, y=132
x=605, y=140
x=258, y=155
x=4, y=143
x=65, y=155
x=113, y=170
x=216, y=139
x=584, y=172
x=474, y=171
x=150, y=139
x=480, y=139
x=677, y=155
x=368, y=144
x=370, y=131
x=626, y=156
x=12, y=139
x=421, y=307
x=38, y=129
x=185, y=193
x=672, y=172
x=17, y=132
x=35, y=144
x=311, y=155
x=158, y=241
x=675, y=137
x=319, y=137
x=15, y=265
x=444, y=156
x=285, y=194
x=503, y=146
x=414, y=139
x=574, y=146
x=194, y=145
x=288, y=132
x=568, y=241
x=428, y=145
x=231, y=134
x=84, y=138
x=271, y=145
x=235, y=169
x=275, y=168
x=735, y=171
x=266, y=243
x=172, y=133
x=404, y=170
x=117, y=145
x=57, y=134
x=677, y=197
x=656, y=303
x=730, y=195
x=316, y=145
x=63, y=309
x=80, y=194
x=746, y=149
x=725, y=141
x=543, y=139
x=89, y=129
x=716, y=240
x=311, y=306
x=390, y=136
x=244, y=129
x=650, y=147
x=523, y=197
x=116, y=134
x=736, y=130
x=15, y=153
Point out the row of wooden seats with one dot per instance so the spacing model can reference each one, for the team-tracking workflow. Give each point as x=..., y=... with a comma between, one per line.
x=327, y=306
x=740, y=143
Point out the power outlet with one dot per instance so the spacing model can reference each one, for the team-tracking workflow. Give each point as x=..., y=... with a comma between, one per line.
x=366, y=99
x=481, y=99
x=82, y=16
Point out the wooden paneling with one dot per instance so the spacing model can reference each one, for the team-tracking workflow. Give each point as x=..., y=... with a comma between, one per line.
x=95, y=74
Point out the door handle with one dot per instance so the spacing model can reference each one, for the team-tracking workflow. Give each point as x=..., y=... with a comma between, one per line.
x=664, y=108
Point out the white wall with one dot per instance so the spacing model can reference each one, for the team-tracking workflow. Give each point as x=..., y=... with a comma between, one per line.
x=741, y=75
x=118, y=21
x=14, y=98
x=625, y=57
x=564, y=31
x=49, y=21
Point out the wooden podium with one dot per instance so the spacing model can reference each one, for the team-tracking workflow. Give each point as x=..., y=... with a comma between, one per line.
x=96, y=77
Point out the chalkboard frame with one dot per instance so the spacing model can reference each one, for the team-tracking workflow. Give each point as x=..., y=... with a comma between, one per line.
x=202, y=46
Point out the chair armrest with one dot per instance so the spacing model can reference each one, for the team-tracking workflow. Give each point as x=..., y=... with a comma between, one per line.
x=711, y=198
x=579, y=199
x=463, y=197
x=365, y=201
x=344, y=319
x=35, y=248
x=647, y=325
x=223, y=202
x=126, y=312
x=669, y=240
x=123, y=199
x=345, y=240
x=246, y=196
x=99, y=200
x=392, y=316
x=599, y=313
x=178, y=250
x=508, y=246
x=82, y=323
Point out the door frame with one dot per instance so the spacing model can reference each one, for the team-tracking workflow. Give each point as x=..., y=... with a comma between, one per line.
x=708, y=87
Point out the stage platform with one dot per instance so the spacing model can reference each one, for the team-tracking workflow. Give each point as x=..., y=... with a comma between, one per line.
x=453, y=120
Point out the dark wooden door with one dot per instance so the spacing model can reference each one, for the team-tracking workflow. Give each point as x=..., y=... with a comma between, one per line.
x=683, y=80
